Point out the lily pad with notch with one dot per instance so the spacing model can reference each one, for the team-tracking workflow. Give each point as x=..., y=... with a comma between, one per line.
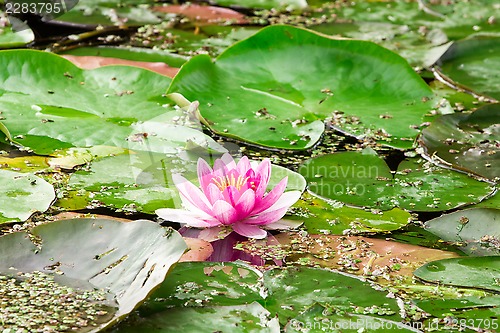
x=473, y=65
x=267, y=91
x=466, y=141
x=473, y=272
x=49, y=104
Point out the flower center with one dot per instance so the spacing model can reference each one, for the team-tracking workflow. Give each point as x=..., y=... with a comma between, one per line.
x=224, y=181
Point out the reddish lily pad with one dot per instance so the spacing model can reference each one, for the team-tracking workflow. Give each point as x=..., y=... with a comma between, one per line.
x=377, y=258
x=92, y=62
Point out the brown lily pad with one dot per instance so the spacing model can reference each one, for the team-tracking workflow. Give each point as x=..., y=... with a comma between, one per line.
x=204, y=14
x=379, y=259
x=199, y=250
x=92, y=62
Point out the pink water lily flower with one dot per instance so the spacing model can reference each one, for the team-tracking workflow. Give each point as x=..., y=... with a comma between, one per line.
x=232, y=196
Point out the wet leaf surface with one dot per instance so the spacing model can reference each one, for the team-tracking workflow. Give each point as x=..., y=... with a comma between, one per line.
x=466, y=66
x=364, y=179
x=466, y=141
x=475, y=231
x=474, y=272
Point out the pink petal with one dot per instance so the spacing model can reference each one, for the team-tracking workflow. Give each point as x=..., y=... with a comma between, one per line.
x=267, y=217
x=271, y=197
x=213, y=193
x=249, y=230
x=204, y=173
x=263, y=173
x=243, y=165
x=224, y=212
x=192, y=193
x=286, y=200
x=245, y=203
x=276, y=211
x=231, y=195
x=228, y=161
x=185, y=216
x=223, y=165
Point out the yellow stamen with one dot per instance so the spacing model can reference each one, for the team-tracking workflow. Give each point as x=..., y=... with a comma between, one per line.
x=223, y=182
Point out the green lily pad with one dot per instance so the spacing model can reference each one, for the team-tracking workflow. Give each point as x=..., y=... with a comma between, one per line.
x=474, y=272
x=201, y=296
x=23, y=194
x=293, y=290
x=50, y=104
x=321, y=319
x=466, y=311
x=457, y=19
x=467, y=142
x=202, y=284
x=10, y=38
x=419, y=31
x=417, y=48
x=327, y=217
x=267, y=91
x=248, y=318
x=459, y=100
x=491, y=202
x=473, y=64
x=128, y=181
x=109, y=255
x=364, y=179
x=476, y=231
x=285, y=292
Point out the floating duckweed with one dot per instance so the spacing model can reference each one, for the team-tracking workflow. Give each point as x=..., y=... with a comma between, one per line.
x=34, y=302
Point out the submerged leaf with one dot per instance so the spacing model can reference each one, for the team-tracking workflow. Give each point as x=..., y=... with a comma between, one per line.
x=23, y=194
